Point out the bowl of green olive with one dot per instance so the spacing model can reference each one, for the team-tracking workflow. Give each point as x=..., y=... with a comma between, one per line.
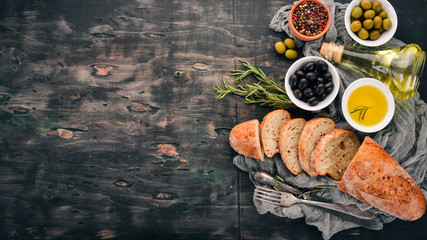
x=371, y=23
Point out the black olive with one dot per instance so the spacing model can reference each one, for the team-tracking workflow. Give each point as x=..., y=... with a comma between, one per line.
x=298, y=94
x=308, y=92
x=322, y=67
x=327, y=76
x=311, y=77
x=309, y=67
x=300, y=74
x=320, y=89
x=329, y=87
x=313, y=101
x=293, y=80
x=303, y=83
x=320, y=80
x=324, y=95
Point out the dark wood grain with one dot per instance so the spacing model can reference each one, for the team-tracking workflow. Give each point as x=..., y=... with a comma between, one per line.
x=109, y=127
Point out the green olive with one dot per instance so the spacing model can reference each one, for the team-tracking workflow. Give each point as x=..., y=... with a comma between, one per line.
x=366, y=4
x=381, y=30
x=368, y=24
x=291, y=54
x=383, y=14
x=374, y=35
x=356, y=26
x=363, y=33
x=377, y=6
x=356, y=12
x=369, y=14
x=290, y=43
x=387, y=24
x=378, y=22
x=280, y=47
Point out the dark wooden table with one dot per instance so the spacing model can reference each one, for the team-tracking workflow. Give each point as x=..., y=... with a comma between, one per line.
x=109, y=127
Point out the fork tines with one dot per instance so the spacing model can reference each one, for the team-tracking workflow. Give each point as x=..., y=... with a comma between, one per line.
x=267, y=195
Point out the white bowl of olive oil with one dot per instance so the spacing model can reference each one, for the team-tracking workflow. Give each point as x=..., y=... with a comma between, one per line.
x=368, y=105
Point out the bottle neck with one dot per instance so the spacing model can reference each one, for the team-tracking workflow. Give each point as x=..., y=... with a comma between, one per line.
x=338, y=54
x=365, y=61
x=365, y=56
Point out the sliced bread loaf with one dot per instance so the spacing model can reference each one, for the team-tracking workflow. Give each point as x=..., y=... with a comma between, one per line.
x=334, y=152
x=270, y=130
x=288, y=144
x=376, y=178
x=245, y=139
x=314, y=129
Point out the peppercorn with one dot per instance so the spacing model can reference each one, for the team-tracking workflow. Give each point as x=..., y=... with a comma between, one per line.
x=310, y=18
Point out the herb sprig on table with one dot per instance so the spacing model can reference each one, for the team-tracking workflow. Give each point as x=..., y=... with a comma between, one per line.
x=263, y=91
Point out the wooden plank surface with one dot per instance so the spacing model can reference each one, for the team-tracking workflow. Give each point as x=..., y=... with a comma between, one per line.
x=109, y=127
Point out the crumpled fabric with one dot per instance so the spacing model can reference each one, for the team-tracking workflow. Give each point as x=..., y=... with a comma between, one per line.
x=405, y=139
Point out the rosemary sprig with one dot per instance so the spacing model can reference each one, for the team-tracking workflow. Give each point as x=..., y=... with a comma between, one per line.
x=305, y=190
x=361, y=110
x=264, y=92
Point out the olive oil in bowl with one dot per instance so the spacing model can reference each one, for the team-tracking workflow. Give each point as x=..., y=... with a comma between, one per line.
x=368, y=105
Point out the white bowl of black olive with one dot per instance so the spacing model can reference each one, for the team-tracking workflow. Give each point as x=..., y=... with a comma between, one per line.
x=312, y=83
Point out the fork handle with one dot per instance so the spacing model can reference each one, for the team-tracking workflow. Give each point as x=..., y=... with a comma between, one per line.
x=352, y=210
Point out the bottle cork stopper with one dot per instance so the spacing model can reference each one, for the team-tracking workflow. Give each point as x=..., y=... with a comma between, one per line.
x=332, y=52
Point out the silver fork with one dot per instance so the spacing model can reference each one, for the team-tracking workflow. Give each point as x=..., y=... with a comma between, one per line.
x=286, y=199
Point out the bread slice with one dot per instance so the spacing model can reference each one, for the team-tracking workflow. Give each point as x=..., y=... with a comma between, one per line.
x=288, y=144
x=245, y=139
x=314, y=129
x=270, y=130
x=375, y=178
x=334, y=152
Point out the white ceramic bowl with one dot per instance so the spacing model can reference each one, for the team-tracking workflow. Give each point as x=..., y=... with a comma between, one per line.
x=389, y=98
x=328, y=100
x=385, y=36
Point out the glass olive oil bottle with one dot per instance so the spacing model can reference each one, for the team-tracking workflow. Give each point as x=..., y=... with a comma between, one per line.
x=398, y=68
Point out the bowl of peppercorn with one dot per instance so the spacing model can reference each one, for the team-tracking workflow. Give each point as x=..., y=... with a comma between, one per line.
x=312, y=83
x=309, y=19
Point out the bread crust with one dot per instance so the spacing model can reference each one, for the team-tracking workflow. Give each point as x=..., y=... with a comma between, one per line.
x=245, y=139
x=274, y=136
x=307, y=137
x=374, y=177
x=325, y=141
x=286, y=144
